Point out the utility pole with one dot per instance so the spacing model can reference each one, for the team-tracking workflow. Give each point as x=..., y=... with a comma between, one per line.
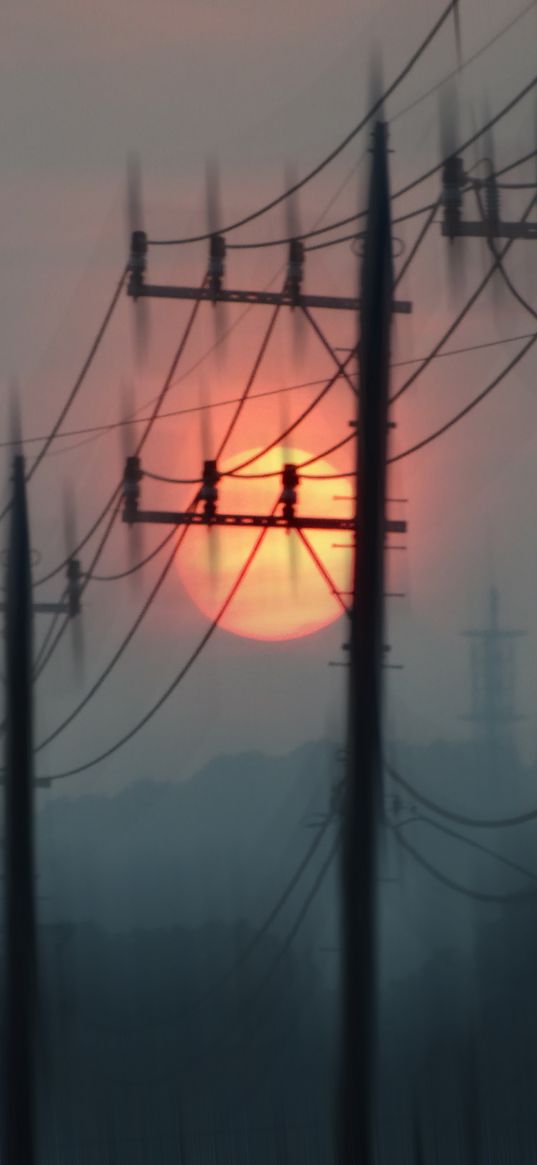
x=19, y=1147
x=362, y=798
x=374, y=307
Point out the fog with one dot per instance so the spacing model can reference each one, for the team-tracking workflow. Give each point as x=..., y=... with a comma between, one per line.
x=188, y=871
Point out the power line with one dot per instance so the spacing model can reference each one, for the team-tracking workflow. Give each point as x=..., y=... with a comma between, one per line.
x=355, y=235
x=111, y=504
x=249, y=383
x=111, y=426
x=464, y=311
x=62, y=629
x=451, y=884
x=506, y=278
x=328, y=347
x=463, y=65
x=236, y=471
x=334, y=590
x=303, y=236
x=48, y=635
x=520, y=162
x=417, y=244
x=468, y=408
x=470, y=841
x=503, y=112
x=301, y=465
x=377, y=105
x=179, y=677
x=316, y=231
x=77, y=385
x=122, y=647
x=138, y=448
x=138, y=565
x=401, y=363
x=460, y=818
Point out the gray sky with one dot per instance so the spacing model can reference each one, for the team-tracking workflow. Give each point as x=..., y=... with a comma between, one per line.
x=257, y=85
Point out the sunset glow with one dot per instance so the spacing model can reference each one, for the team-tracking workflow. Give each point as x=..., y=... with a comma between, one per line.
x=283, y=596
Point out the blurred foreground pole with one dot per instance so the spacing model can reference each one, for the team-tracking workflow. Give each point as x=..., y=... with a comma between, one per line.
x=363, y=784
x=20, y=970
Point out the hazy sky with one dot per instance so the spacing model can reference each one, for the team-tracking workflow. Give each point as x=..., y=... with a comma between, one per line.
x=258, y=86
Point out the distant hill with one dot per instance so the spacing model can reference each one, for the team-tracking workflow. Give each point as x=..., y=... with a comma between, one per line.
x=216, y=847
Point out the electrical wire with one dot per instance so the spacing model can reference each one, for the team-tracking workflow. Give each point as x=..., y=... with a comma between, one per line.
x=302, y=465
x=470, y=841
x=514, y=165
x=314, y=232
x=85, y=582
x=460, y=818
x=417, y=244
x=179, y=677
x=172, y=480
x=80, y=545
x=463, y=313
x=249, y=383
x=424, y=177
x=465, y=891
x=111, y=504
x=323, y=571
x=467, y=348
x=111, y=426
x=503, y=112
x=123, y=645
x=236, y=470
x=137, y=450
x=326, y=161
x=97, y=430
x=465, y=64
x=491, y=242
x=48, y=635
x=468, y=408
x=355, y=235
x=303, y=236
x=77, y=385
x=138, y=565
x=328, y=347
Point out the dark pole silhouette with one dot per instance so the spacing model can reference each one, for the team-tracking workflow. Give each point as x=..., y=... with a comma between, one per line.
x=20, y=971
x=363, y=786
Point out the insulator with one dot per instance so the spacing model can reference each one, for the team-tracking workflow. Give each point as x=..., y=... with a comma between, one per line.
x=453, y=178
x=295, y=269
x=289, y=494
x=492, y=205
x=217, y=255
x=137, y=261
x=74, y=587
x=131, y=487
x=208, y=493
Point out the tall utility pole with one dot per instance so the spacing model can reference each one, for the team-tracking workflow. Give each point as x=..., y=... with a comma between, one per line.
x=19, y=1146
x=362, y=800
x=374, y=307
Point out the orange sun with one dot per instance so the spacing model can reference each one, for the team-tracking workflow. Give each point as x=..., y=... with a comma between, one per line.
x=283, y=596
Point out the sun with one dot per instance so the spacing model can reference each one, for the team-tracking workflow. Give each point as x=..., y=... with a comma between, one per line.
x=283, y=596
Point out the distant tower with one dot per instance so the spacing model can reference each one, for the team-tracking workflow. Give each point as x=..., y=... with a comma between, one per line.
x=492, y=670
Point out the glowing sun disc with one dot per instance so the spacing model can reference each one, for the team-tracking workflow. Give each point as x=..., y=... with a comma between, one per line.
x=283, y=596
